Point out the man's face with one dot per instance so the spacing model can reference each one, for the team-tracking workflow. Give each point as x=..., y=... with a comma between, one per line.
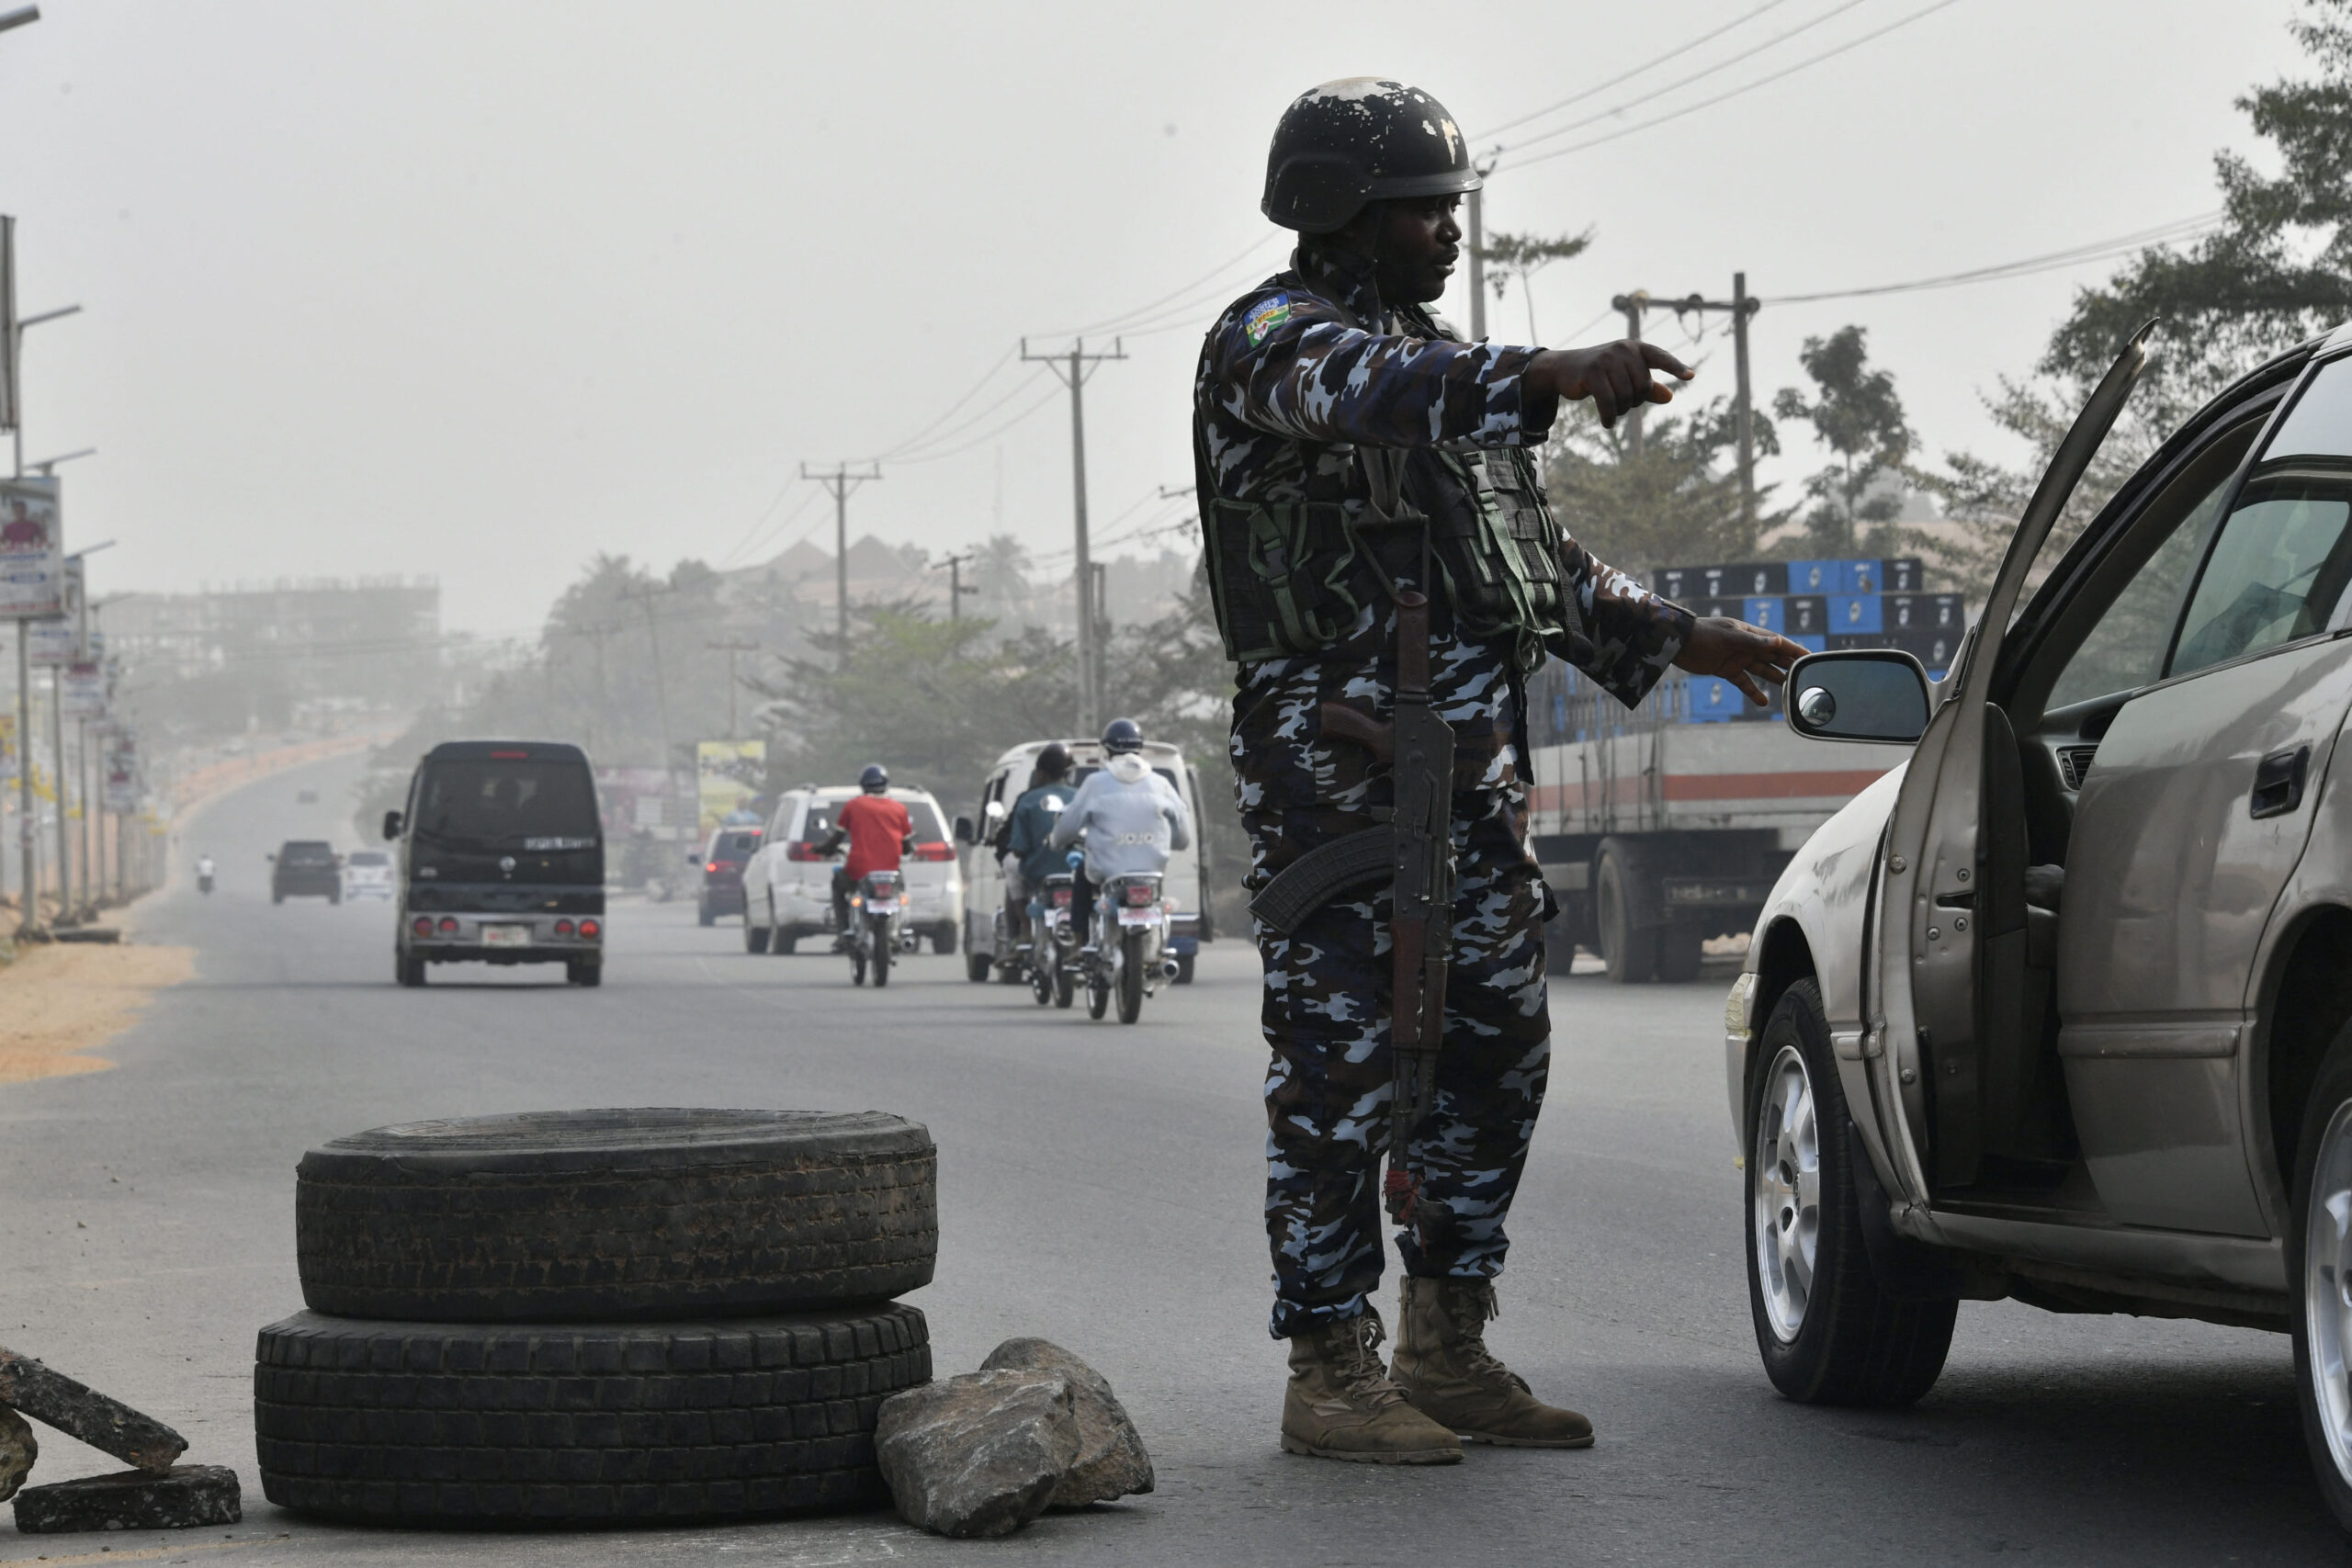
x=1416, y=243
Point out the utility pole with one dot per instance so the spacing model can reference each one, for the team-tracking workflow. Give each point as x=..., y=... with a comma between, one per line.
x=955, y=589
x=645, y=597
x=1072, y=369
x=841, y=481
x=1475, y=207
x=1740, y=305
x=1633, y=304
x=731, y=648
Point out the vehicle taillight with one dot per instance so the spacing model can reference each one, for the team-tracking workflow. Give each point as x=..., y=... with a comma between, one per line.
x=712, y=866
x=1061, y=898
x=937, y=850
x=591, y=929
x=1140, y=895
x=801, y=851
x=563, y=928
x=449, y=926
x=422, y=925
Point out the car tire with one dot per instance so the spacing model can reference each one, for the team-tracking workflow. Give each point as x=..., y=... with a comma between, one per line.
x=1184, y=967
x=588, y=1215
x=408, y=970
x=583, y=972
x=2319, y=1264
x=334, y=897
x=276, y=896
x=756, y=938
x=450, y=1424
x=943, y=940
x=977, y=966
x=1629, y=953
x=705, y=914
x=782, y=943
x=1827, y=1332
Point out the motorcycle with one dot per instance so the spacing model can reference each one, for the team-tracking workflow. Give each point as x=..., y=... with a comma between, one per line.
x=877, y=933
x=204, y=878
x=1130, y=958
x=1053, y=943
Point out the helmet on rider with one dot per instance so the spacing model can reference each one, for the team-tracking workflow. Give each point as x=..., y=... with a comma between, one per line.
x=1053, y=763
x=1360, y=139
x=874, y=779
x=1121, y=736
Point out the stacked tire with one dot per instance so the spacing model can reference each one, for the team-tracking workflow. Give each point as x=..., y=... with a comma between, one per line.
x=598, y=1318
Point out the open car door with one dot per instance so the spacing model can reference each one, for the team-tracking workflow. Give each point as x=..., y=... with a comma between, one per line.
x=1923, y=1044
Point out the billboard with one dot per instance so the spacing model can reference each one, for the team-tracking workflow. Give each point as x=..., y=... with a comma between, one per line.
x=728, y=775
x=83, y=694
x=32, y=550
x=121, y=764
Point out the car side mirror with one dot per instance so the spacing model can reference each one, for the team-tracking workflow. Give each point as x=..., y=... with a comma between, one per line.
x=994, y=811
x=693, y=858
x=963, y=829
x=1874, y=693
x=391, y=824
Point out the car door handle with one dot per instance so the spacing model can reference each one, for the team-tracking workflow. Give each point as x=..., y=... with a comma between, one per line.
x=2279, y=783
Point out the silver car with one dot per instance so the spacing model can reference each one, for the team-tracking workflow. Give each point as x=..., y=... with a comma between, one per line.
x=2061, y=1011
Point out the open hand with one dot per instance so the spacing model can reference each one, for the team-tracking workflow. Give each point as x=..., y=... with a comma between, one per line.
x=1738, y=652
x=1615, y=376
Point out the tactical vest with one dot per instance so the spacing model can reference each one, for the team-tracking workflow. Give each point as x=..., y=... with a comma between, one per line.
x=1290, y=579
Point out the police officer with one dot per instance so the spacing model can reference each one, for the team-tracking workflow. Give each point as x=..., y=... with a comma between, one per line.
x=1350, y=450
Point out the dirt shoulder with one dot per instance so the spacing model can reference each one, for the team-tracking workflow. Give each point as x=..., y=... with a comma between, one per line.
x=61, y=1001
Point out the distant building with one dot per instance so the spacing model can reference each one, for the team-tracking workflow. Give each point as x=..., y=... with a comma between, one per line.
x=374, y=641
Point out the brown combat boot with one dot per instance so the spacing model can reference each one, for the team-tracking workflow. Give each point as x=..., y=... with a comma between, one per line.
x=1445, y=1367
x=1341, y=1404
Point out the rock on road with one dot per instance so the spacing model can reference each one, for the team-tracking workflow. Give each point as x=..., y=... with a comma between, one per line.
x=1099, y=1186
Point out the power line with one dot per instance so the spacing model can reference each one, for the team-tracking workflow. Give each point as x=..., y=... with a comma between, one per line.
x=1744, y=87
x=1214, y=274
x=2099, y=250
x=1725, y=64
x=1676, y=53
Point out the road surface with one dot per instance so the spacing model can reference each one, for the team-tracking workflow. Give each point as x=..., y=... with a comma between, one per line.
x=1099, y=1186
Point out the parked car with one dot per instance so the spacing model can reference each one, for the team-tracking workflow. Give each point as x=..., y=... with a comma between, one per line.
x=305, y=868
x=502, y=860
x=788, y=882
x=2057, y=1011
x=986, y=943
x=368, y=874
x=722, y=861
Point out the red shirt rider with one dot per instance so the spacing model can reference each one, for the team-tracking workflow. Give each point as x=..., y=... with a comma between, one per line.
x=877, y=829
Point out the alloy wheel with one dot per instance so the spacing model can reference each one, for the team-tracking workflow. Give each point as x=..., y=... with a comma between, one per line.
x=1784, y=1181
x=2328, y=1287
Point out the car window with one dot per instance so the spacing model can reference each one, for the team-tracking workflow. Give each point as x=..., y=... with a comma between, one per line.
x=486, y=804
x=369, y=857
x=921, y=816
x=737, y=846
x=2125, y=650
x=2281, y=560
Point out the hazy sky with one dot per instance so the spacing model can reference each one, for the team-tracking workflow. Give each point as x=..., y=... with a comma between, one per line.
x=481, y=290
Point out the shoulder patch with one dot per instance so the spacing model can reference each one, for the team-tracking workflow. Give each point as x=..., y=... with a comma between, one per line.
x=1268, y=315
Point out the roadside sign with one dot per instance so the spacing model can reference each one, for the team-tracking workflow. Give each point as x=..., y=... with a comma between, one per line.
x=84, y=690
x=121, y=763
x=727, y=774
x=32, y=550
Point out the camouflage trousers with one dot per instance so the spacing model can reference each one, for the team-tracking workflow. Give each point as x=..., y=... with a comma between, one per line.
x=1328, y=987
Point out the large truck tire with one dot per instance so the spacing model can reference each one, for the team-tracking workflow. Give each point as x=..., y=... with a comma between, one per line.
x=1629, y=951
x=457, y=1425
x=598, y=1215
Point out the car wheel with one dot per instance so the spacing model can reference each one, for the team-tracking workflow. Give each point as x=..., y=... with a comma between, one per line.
x=705, y=914
x=977, y=966
x=407, y=970
x=584, y=971
x=756, y=938
x=1184, y=967
x=576, y=1216
x=2319, y=1260
x=1631, y=954
x=276, y=896
x=943, y=940
x=782, y=943
x=409, y=1424
x=1828, y=1335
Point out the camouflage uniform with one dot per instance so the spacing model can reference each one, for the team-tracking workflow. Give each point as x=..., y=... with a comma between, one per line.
x=1287, y=385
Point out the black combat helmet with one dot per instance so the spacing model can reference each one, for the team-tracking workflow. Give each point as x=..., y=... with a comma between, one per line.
x=1358, y=139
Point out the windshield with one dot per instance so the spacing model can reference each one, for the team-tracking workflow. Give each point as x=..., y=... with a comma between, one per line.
x=498, y=805
x=307, y=854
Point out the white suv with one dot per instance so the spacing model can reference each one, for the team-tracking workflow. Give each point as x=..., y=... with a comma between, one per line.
x=788, y=884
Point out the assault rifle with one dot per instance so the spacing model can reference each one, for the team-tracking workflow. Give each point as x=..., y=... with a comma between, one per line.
x=1415, y=855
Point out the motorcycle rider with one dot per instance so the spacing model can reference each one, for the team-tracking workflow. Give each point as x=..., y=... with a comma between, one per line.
x=1132, y=819
x=1029, y=859
x=204, y=873
x=878, y=832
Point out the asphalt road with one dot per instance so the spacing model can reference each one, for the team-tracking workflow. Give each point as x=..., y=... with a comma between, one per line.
x=1099, y=1186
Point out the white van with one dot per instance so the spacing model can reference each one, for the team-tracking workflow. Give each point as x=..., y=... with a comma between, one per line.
x=788, y=884
x=1188, y=869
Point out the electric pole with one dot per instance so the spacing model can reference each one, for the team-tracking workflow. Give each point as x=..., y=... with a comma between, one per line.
x=1475, y=207
x=1072, y=369
x=731, y=648
x=841, y=481
x=645, y=597
x=1740, y=305
x=955, y=589
x=1633, y=304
